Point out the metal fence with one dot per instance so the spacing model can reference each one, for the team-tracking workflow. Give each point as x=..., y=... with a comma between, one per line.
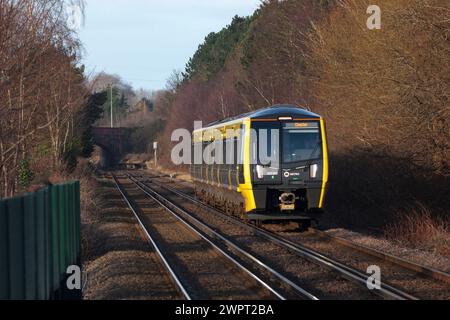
x=39, y=239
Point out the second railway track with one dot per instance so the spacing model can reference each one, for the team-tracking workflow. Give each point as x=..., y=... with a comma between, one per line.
x=415, y=280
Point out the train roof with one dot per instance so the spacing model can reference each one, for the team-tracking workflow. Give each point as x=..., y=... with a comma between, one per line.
x=276, y=111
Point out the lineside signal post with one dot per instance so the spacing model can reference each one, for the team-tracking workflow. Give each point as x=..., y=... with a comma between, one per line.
x=155, y=148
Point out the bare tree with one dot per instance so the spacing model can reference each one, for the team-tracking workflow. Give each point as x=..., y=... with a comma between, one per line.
x=38, y=57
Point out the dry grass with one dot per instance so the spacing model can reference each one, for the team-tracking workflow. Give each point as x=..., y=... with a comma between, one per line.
x=90, y=199
x=91, y=205
x=418, y=228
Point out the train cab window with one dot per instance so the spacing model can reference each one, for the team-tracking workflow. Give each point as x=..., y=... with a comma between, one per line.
x=301, y=142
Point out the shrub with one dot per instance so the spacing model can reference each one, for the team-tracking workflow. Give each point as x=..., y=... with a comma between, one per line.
x=417, y=227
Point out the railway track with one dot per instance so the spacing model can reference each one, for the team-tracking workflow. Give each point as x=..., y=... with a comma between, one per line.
x=414, y=267
x=418, y=276
x=170, y=271
x=209, y=273
x=357, y=277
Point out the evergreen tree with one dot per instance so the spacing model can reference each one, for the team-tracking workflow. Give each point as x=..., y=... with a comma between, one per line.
x=212, y=54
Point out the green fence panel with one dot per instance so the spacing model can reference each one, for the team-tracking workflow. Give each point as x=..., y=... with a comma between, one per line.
x=78, y=222
x=41, y=252
x=16, y=248
x=71, y=225
x=62, y=231
x=4, y=253
x=39, y=239
x=47, y=243
x=30, y=257
x=75, y=228
x=68, y=225
x=54, y=238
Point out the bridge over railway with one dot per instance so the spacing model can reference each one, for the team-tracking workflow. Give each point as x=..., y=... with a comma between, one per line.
x=114, y=144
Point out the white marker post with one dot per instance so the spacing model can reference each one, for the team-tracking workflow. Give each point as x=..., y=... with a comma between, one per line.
x=155, y=148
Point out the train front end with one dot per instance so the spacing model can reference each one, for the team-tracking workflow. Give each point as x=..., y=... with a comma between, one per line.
x=288, y=166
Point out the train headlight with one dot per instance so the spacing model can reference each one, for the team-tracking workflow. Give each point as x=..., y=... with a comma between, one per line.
x=260, y=171
x=313, y=171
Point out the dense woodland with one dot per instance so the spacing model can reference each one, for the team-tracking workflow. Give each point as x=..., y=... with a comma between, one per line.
x=48, y=104
x=46, y=108
x=384, y=95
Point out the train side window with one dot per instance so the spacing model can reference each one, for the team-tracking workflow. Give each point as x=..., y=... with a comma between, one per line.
x=242, y=146
x=196, y=146
x=212, y=154
x=236, y=152
x=218, y=153
x=229, y=151
x=204, y=157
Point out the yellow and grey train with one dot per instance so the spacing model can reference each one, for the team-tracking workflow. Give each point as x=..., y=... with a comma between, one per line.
x=292, y=187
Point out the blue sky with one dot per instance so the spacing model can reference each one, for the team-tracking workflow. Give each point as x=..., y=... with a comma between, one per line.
x=143, y=41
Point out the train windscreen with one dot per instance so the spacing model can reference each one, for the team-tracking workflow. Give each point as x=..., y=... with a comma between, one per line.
x=301, y=142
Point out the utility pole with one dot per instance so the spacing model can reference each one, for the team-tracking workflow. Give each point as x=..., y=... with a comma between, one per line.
x=112, y=116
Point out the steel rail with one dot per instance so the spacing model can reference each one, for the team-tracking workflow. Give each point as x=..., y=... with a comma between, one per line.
x=155, y=195
x=312, y=255
x=153, y=243
x=412, y=266
x=426, y=271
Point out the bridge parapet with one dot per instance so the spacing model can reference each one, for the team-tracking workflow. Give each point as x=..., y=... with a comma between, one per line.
x=114, y=143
